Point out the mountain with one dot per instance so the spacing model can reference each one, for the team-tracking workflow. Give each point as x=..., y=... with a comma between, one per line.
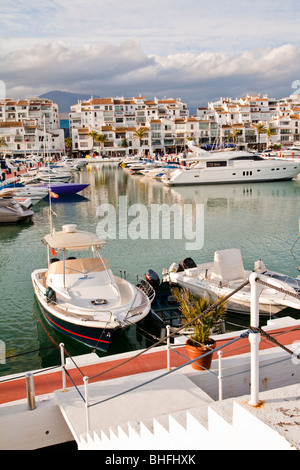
x=65, y=99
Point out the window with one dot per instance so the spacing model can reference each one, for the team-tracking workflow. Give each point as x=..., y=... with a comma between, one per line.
x=216, y=164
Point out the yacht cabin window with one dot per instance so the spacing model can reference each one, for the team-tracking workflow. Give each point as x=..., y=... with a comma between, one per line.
x=216, y=163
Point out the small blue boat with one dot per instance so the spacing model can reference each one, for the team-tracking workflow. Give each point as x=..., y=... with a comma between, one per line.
x=63, y=189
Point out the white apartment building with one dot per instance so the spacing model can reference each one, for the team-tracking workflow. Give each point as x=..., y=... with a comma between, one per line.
x=118, y=119
x=25, y=126
x=167, y=123
x=245, y=114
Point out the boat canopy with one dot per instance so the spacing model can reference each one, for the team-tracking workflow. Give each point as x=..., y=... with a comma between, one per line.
x=73, y=239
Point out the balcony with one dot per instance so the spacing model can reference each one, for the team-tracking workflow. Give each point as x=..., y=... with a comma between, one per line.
x=285, y=131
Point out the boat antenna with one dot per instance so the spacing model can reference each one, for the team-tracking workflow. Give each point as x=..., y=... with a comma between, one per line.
x=49, y=187
x=295, y=243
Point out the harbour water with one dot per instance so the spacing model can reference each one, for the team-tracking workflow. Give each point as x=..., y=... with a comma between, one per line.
x=260, y=218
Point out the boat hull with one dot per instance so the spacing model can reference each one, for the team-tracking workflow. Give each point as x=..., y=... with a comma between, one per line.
x=65, y=189
x=98, y=338
x=98, y=334
x=278, y=171
x=236, y=303
x=7, y=218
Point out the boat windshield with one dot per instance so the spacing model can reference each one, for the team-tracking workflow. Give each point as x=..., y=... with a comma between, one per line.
x=291, y=281
x=248, y=157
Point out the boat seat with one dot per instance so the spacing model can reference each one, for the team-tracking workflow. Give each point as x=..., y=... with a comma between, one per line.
x=228, y=266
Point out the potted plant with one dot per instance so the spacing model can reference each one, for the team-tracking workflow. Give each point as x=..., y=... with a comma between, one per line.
x=193, y=309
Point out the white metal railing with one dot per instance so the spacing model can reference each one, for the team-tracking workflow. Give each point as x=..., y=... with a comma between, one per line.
x=253, y=336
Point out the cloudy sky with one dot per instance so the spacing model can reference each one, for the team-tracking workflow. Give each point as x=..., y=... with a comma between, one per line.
x=193, y=49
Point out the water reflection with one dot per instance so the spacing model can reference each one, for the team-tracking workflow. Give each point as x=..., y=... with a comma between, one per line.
x=261, y=219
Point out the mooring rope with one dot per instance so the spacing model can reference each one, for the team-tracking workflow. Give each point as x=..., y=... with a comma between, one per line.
x=273, y=340
x=175, y=331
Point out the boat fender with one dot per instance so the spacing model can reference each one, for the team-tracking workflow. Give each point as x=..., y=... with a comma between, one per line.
x=173, y=268
x=153, y=278
x=187, y=263
x=50, y=295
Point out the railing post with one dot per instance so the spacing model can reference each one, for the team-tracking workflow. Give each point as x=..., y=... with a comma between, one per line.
x=220, y=376
x=30, y=391
x=254, y=339
x=87, y=410
x=168, y=347
x=62, y=358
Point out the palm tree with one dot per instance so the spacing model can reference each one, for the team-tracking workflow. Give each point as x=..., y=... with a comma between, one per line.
x=102, y=139
x=3, y=142
x=139, y=134
x=236, y=133
x=198, y=314
x=124, y=142
x=261, y=129
x=269, y=132
x=232, y=136
x=93, y=134
x=68, y=143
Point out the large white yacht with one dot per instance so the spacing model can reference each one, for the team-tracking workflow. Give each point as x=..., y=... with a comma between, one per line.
x=232, y=167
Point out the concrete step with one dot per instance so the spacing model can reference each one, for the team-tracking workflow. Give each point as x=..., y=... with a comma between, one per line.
x=169, y=394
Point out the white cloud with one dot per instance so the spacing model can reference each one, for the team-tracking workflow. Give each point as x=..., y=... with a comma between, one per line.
x=109, y=70
x=162, y=27
x=171, y=47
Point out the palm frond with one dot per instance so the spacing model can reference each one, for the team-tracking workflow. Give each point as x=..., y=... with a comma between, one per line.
x=198, y=313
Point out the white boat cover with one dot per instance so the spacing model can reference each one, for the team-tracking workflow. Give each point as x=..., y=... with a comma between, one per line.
x=73, y=240
x=228, y=265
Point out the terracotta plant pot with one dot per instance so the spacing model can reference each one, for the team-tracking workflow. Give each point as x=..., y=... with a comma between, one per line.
x=195, y=351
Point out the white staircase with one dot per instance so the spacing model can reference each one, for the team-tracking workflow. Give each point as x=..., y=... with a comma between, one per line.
x=171, y=413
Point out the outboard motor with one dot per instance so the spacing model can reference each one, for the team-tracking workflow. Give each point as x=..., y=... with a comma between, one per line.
x=187, y=263
x=152, y=278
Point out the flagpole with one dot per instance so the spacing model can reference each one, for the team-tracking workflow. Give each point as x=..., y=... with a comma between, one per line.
x=49, y=188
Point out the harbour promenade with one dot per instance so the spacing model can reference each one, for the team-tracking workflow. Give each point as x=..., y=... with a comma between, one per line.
x=144, y=405
x=47, y=381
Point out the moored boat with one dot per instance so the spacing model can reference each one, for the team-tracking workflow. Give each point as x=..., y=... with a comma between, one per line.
x=12, y=212
x=226, y=273
x=81, y=297
x=66, y=188
x=232, y=167
x=35, y=194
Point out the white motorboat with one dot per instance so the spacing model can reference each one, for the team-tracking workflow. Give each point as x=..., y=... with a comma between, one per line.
x=291, y=152
x=24, y=201
x=46, y=175
x=34, y=194
x=158, y=169
x=81, y=297
x=12, y=212
x=50, y=174
x=72, y=164
x=225, y=274
x=232, y=167
x=131, y=160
